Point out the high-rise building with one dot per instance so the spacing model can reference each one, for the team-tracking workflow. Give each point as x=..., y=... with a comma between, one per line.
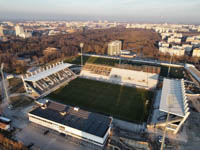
x=19, y=31
x=114, y=48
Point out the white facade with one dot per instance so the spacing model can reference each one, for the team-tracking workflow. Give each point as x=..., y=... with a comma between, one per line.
x=172, y=51
x=114, y=48
x=19, y=31
x=196, y=52
x=125, y=77
x=1, y=31
x=174, y=40
x=70, y=131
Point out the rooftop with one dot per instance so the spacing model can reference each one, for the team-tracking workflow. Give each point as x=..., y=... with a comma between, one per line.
x=46, y=72
x=173, y=97
x=73, y=117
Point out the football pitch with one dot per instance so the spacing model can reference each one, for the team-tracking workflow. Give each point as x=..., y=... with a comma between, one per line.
x=131, y=104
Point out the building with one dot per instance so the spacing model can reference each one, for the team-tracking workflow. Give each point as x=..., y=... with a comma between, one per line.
x=127, y=54
x=1, y=31
x=73, y=121
x=187, y=47
x=163, y=44
x=194, y=72
x=114, y=48
x=174, y=102
x=5, y=123
x=47, y=79
x=19, y=31
x=174, y=40
x=171, y=108
x=172, y=51
x=196, y=52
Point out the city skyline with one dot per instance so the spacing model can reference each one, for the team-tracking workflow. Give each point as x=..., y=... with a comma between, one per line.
x=152, y=11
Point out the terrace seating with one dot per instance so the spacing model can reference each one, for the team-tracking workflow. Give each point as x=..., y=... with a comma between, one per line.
x=98, y=69
x=46, y=84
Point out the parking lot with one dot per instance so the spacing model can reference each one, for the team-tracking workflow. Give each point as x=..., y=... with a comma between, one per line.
x=35, y=135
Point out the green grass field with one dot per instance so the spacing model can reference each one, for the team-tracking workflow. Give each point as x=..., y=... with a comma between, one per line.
x=119, y=101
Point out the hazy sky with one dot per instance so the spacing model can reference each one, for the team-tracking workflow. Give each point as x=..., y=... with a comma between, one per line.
x=180, y=11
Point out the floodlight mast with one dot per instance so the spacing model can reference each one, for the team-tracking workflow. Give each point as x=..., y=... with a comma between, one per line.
x=4, y=85
x=81, y=46
x=169, y=65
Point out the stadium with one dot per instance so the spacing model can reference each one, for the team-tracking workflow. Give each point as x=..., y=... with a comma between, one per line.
x=74, y=99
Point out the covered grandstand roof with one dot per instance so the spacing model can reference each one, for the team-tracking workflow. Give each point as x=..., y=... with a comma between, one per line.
x=46, y=72
x=194, y=71
x=173, y=98
x=76, y=118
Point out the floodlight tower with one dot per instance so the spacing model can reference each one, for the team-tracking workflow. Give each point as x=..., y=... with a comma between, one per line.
x=81, y=46
x=169, y=65
x=3, y=81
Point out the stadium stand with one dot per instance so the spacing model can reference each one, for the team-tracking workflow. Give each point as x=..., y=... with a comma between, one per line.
x=98, y=69
x=141, y=76
x=45, y=80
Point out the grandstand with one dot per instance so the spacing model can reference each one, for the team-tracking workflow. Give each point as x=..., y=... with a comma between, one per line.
x=128, y=77
x=45, y=80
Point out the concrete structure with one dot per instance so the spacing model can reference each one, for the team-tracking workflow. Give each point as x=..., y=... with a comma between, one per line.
x=91, y=127
x=114, y=48
x=174, y=102
x=5, y=123
x=196, y=52
x=120, y=76
x=127, y=54
x=187, y=47
x=172, y=51
x=194, y=71
x=1, y=31
x=174, y=40
x=19, y=31
x=45, y=80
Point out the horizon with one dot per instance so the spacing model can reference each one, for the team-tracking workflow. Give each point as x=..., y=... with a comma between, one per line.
x=152, y=11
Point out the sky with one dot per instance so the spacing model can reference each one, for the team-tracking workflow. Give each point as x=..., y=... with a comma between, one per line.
x=152, y=11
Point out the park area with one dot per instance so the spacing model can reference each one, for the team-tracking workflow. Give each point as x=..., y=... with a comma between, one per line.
x=126, y=103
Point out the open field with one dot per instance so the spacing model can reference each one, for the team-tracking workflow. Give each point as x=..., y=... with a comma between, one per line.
x=119, y=101
x=174, y=71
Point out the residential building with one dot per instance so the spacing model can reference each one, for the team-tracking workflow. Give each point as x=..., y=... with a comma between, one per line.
x=196, y=52
x=114, y=48
x=19, y=30
x=1, y=31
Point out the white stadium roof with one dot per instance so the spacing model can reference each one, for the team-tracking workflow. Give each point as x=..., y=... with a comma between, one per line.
x=173, y=98
x=47, y=72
